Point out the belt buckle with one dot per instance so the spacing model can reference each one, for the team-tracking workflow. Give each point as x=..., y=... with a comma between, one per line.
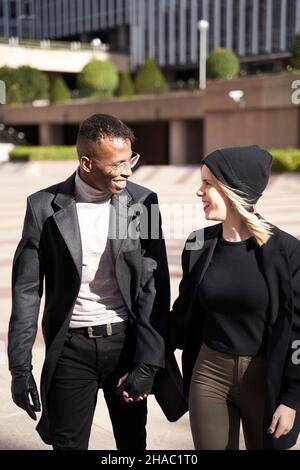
x=91, y=334
x=108, y=331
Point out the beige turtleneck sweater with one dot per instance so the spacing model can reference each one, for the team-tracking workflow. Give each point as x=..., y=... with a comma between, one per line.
x=99, y=300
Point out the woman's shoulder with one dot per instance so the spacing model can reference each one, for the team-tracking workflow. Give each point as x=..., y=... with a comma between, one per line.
x=289, y=242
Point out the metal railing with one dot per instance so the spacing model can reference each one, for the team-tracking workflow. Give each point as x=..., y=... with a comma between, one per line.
x=47, y=44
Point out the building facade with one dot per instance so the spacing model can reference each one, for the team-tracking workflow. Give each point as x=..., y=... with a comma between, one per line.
x=164, y=29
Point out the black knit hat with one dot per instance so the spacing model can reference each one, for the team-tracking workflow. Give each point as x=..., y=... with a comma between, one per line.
x=245, y=169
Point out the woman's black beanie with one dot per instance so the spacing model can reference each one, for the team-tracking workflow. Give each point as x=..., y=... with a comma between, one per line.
x=245, y=169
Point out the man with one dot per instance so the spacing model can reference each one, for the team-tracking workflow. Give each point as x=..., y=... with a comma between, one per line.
x=96, y=241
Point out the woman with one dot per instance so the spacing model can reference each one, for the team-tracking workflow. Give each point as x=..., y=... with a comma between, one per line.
x=237, y=317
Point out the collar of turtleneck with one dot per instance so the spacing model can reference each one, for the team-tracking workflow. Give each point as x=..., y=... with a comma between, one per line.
x=86, y=193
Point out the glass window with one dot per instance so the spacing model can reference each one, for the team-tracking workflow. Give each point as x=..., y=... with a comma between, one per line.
x=13, y=9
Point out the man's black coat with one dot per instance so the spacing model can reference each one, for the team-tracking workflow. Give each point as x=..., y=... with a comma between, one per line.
x=280, y=263
x=50, y=252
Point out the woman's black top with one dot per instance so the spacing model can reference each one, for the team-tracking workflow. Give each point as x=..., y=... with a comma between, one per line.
x=235, y=298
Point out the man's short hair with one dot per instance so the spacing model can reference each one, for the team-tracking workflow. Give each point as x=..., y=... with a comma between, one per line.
x=101, y=126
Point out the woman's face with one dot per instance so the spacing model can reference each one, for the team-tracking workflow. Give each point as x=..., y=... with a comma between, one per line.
x=215, y=204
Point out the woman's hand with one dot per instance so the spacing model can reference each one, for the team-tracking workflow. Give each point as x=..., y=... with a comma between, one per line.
x=125, y=395
x=282, y=421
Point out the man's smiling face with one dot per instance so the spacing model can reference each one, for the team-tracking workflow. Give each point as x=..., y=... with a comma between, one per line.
x=107, y=165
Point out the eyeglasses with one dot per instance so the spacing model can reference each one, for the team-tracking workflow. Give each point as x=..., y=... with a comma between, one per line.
x=118, y=169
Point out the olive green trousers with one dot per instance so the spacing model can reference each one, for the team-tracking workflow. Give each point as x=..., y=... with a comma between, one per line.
x=226, y=391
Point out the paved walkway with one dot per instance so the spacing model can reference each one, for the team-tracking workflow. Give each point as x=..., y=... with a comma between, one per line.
x=176, y=187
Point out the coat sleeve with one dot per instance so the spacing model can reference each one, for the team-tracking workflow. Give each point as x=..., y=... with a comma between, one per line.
x=153, y=301
x=27, y=290
x=291, y=382
x=180, y=306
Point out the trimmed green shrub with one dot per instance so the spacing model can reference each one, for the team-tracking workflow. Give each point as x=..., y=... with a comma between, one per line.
x=34, y=85
x=295, y=58
x=9, y=76
x=27, y=154
x=126, y=85
x=59, y=91
x=285, y=159
x=28, y=84
x=222, y=64
x=99, y=76
x=13, y=95
x=150, y=78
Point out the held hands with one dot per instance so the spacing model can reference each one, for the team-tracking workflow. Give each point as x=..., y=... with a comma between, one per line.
x=136, y=385
x=23, y=387
x=283, y=421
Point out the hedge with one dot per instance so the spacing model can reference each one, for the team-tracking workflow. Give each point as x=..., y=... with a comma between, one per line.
x=283, y=159
x=27, y=154
x=286, y=159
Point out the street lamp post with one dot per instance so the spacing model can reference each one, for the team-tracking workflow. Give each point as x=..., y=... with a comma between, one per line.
x=203, y=26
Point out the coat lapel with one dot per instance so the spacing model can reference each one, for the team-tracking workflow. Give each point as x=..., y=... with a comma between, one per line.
x=199, y=259
x=207, y=256
x=119, y=220
x=67, y=222
x=198, y=263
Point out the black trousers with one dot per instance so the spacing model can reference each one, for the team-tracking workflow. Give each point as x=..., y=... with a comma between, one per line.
x=85, y=365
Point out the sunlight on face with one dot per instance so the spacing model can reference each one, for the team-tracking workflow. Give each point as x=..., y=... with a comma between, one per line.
x=117, y=142
x=215, y=204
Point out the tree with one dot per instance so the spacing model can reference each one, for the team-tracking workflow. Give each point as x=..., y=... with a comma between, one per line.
x=150, y=78
x=126, y=85
x=59, y=91
x=222, y=64
x=33, y=83
x=99, y=76
x=295, y=58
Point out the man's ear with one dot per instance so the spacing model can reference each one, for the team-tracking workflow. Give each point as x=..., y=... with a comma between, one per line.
x=85, y=164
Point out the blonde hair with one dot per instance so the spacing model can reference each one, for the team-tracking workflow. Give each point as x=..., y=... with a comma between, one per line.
x=260, y=229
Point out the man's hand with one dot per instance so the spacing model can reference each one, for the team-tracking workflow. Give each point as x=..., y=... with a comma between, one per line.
x=136, y=385
x=282, y=421
x=23, y=387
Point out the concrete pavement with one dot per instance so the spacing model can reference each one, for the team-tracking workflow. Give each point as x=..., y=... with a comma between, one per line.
x=176, y=187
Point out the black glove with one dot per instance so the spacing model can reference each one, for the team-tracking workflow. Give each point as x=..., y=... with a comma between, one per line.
x=23, y=386
x=139, y=380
